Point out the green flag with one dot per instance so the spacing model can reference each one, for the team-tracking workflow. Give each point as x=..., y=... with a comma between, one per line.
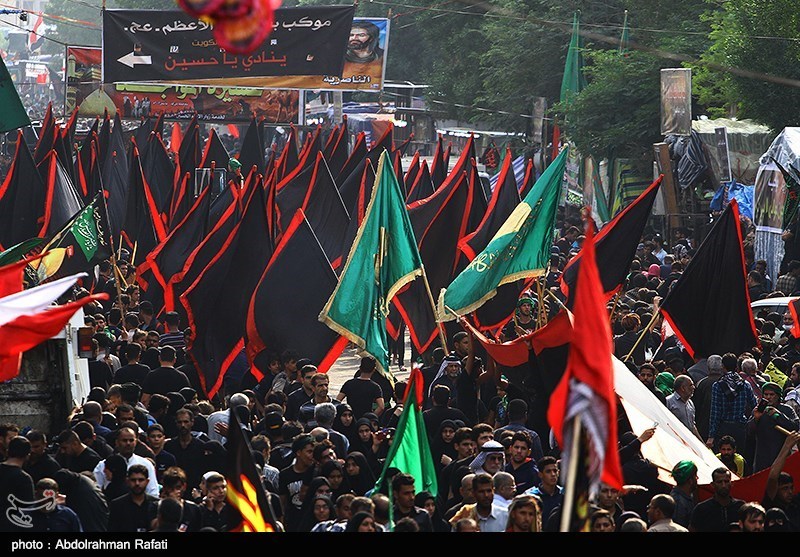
x=573, y=81
x=624, y=38
x=12, y=114
x=410, y=452
x=18, y=251
x=384, y=258
x=520, y=249
x=80, y=245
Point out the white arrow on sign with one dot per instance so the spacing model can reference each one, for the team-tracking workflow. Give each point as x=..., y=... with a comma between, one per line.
x=131, y=59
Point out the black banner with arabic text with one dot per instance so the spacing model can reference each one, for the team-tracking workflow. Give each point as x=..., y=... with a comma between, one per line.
x=170, y=46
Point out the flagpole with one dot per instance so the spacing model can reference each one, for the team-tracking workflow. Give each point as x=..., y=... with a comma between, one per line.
x=560, y=303
x=118, y=273
x=614, y=307
x=641, y=336
x=572, y=472
x=433, y=307
x=133, y=255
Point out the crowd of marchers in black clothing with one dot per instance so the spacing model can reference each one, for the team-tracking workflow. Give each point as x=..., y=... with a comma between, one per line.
x=146, y=451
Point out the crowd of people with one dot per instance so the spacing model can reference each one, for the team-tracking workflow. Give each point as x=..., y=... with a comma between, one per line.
x=146, y=451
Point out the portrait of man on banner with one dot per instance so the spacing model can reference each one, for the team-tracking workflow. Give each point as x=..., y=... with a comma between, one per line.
x=364, y=59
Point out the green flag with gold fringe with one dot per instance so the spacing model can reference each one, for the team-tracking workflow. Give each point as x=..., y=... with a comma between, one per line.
x=383, y=258
x=520, y=249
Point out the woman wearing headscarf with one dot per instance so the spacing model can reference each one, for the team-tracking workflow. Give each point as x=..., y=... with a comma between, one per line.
x=333, y=470
x=345, y=422
x=442, y=445
x=367, y=444
x=322, y=511
x=425, y=500
x=359, y=473
x=319, y=487
x=361, y=522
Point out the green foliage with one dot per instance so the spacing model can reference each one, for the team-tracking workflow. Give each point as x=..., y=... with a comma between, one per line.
x=617, y=114
x=741, y=39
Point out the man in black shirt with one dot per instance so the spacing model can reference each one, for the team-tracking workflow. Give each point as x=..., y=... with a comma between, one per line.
x=100, y=374
x=15, y=481
x=302, y=395
x=76, y=456
x=133, y=371
x=166, y=379
x=130, y=512
x=715, y=514
x=40, y=464
x=404, y=492
x=187, y=449
x=362, y=393
x=293, y=481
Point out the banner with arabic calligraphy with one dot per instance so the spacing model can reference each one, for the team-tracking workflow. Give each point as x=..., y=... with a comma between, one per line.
x=172, y=46
x=360, y=73
x=222, y=104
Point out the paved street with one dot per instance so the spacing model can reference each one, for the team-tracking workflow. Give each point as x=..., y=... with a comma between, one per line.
x=347, y=365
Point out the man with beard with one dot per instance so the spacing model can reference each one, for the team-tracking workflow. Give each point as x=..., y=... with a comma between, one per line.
x=729, y=457
x=364, y=56
x=187, y=449
x=716, y=513
x=129, y=513
x=125, y=445
x=647, y=375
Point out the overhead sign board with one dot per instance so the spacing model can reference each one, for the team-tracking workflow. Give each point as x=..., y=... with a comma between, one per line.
x=172, y=46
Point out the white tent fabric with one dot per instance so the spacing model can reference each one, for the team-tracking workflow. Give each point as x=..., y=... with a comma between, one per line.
x=672, y=441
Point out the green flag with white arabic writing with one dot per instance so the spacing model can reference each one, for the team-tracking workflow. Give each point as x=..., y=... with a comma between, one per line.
x=383, y=258
x=80, y=245
x=520, y=249
x=12, y=113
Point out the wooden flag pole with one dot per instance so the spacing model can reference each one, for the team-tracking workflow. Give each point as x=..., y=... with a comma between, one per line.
x=614, y=307
x=133, y=255
x=560, y=303
x=433, y=307
x=572, y=473
x=119, y=274
x=641, y=336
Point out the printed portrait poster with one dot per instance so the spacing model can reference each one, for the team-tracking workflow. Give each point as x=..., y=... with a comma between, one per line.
x=364, y=64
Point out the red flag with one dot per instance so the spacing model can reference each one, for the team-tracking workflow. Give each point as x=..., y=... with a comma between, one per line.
x=752, y=487
x=175, y=138
x=794, y=307
x=35, y=39
x=11, y=277
x=586, y=390
x=30, y=330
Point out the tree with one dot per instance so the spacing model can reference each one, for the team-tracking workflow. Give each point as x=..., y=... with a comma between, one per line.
x=759, y=36
x=617, y=113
